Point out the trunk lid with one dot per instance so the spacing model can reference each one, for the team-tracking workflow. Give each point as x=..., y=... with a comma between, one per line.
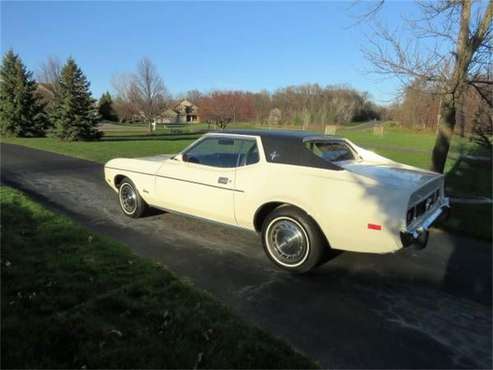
x=391, y=173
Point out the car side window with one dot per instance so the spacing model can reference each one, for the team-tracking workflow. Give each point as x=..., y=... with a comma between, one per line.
x=248, y=153
x=331, y=151
x=216, y=152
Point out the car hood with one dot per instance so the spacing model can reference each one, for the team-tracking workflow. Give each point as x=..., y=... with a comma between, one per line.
x=391, y=173
x=156, y=158
x=144, y=165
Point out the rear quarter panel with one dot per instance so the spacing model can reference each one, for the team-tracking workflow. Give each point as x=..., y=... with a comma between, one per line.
x=342, y=203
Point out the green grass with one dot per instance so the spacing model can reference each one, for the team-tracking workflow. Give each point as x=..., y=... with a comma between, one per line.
x=395, y=144
x=473, y=178
x=473, y=220
x=105, y=150
x=393, y=137
x=414, y=148
x=71, y=299
x=119, y=143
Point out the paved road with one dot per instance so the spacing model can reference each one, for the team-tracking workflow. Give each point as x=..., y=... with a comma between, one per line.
x=427, y=309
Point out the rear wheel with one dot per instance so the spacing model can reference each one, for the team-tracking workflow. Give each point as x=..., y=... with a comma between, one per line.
x=292, y=239
x=131, y=202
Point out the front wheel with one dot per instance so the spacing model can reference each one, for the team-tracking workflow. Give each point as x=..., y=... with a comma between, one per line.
x=131, y=202
x=293, y=240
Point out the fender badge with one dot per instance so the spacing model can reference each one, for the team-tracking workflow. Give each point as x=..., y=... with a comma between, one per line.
x=274, y=155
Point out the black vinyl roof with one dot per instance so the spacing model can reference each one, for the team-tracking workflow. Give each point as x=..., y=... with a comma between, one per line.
x=271, y=133
x=288, y=147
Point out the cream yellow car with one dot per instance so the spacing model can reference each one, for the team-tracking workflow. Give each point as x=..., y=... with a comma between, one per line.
x=303, y=193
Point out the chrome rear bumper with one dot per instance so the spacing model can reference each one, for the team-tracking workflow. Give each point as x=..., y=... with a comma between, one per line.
x=409, y=236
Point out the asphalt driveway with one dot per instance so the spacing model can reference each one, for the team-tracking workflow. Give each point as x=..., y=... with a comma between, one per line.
x=426, y=309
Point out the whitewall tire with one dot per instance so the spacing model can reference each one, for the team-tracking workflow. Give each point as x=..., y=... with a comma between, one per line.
x=131, y=203
x=292, y=239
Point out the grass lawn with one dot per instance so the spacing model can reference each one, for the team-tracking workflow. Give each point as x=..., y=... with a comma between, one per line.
x=119, y=143
x=71, y=299
x=398, y=144
x=410, y=147
x=108, y=148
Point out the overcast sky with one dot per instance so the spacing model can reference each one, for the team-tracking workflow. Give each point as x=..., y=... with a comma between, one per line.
x=203, y=45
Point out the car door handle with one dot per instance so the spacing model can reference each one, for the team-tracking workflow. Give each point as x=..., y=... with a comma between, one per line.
x=223, y=180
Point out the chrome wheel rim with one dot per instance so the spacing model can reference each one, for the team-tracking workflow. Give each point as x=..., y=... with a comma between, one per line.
x=128, y=198
x=287, y=242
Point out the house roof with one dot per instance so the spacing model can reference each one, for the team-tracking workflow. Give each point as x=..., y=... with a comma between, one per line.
x=184, y=103
x=168, y=113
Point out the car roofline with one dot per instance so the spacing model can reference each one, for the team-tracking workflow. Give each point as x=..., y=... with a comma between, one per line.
x=278, y=134
x=231, y=134
x=323, y=138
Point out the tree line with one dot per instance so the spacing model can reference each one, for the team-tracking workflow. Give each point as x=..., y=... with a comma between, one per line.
x=59, y=101
x=419, y=108
x=70, y=112
x=142, y=96
x=302, y=105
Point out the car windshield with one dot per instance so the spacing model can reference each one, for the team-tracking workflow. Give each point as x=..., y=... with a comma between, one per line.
x=332, y=151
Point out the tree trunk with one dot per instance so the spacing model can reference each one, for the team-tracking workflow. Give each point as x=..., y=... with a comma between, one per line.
x=461, y=119
x=445, y=131
x=454, y=90
x=439, y=115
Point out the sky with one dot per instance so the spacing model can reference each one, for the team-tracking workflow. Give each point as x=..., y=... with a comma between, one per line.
x=203, y=45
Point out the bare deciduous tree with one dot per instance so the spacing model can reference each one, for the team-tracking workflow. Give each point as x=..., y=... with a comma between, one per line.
x=275, y=116
x=193, y=96
x=148, y=91
x=312, y=104
x=224, y=107
x=450, y=48
x=142, y=93
x=49, y=71
x=48, y=76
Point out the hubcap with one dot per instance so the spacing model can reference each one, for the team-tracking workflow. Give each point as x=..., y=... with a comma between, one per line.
x=287, y=242
x=128, y=198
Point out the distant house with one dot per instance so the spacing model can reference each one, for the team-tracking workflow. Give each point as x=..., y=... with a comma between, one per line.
x=183, y=112
x=168, y=116
x=186, y=112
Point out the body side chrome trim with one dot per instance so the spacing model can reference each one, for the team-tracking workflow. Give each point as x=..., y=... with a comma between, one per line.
x=177, y=179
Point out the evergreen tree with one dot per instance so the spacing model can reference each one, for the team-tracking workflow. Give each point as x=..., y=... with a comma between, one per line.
x=105, y=108
x=74, y=112
x=21, y=111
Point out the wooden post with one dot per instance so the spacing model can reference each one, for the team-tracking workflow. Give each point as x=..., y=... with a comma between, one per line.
x=330, y=129
x=378, y=130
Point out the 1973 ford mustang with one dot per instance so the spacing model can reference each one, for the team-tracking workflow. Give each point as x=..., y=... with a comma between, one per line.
x=302, y=192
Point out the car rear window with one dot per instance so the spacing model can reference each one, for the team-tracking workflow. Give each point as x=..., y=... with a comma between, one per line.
x=331, y=151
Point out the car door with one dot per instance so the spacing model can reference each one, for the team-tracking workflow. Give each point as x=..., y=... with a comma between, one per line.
x=201, y=181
